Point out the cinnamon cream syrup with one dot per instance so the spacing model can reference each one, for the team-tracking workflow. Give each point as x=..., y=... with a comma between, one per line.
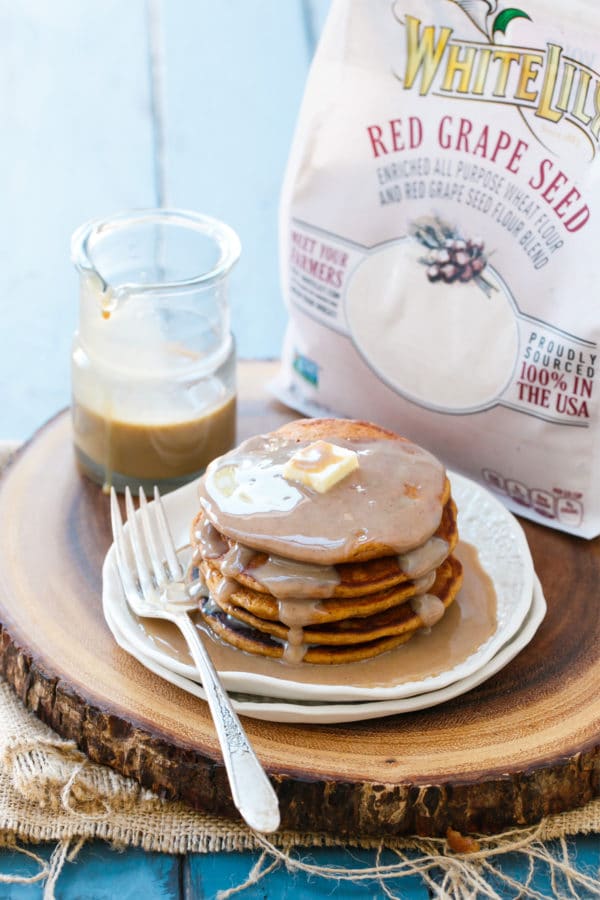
x=392, y=502
x=151, y=450
x=210, y=543
x=297, y=612
x=423, y=559
x=429, y=607
x=290, y=578
x=468, y=622
x=321, y=456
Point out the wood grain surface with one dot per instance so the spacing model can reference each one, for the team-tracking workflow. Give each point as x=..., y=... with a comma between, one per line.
x=524, y=744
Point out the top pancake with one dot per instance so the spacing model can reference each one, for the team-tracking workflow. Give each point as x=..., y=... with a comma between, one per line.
x=355, y=578
x=391, y=504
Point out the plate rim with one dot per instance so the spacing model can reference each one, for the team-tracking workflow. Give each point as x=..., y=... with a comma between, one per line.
x=331, y=713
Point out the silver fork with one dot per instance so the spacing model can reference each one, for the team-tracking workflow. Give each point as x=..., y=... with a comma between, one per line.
x=154, y=588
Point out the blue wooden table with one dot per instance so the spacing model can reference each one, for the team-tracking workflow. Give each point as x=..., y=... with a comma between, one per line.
x=106, y=105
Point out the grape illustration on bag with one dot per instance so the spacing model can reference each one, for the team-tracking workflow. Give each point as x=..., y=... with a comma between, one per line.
x=438, y=233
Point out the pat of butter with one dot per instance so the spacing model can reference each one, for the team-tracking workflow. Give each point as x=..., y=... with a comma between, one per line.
x=320, y=465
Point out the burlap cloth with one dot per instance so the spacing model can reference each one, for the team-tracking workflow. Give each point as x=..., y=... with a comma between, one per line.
x=49, y=791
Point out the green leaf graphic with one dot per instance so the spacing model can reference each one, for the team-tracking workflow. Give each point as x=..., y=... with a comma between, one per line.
x=505, y=16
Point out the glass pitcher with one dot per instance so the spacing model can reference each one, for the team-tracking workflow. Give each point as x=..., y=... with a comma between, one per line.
x=153, y=363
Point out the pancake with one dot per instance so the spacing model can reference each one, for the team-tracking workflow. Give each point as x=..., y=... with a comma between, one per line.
x=253, y=641
x=391, y=504
x=270, y=608
x=357, y=579
x=396, y=620
x=328, y=556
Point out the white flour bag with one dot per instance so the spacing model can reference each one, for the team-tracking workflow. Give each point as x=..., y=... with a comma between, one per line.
x=440, y=240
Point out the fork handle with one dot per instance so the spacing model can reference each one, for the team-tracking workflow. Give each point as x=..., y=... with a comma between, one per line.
x=252, y=792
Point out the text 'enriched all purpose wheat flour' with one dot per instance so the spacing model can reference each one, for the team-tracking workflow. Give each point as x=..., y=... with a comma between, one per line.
x=440, y=240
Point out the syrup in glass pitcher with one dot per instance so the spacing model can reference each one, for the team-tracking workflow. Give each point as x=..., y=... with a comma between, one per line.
x=153, y=362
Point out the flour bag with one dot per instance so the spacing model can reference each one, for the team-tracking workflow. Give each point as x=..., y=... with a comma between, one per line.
x=440, y=240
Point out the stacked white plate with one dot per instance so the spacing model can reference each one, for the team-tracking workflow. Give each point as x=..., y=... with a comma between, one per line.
x=503, y=554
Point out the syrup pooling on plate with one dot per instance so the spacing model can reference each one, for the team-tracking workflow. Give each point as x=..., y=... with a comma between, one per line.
x=466, y=625
x=393, y=500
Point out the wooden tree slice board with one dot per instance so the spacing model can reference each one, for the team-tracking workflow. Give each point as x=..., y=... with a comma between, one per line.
x=524, y=744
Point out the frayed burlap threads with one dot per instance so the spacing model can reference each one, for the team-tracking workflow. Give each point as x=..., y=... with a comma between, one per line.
x=55, y=775
x=448, y=876
x=65, y=851
x=51, y=791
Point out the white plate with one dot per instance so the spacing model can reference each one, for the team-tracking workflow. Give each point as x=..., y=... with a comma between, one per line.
x=483, y=522
x=277, y=710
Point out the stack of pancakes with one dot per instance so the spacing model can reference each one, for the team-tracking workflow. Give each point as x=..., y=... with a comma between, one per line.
x=331, y=577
